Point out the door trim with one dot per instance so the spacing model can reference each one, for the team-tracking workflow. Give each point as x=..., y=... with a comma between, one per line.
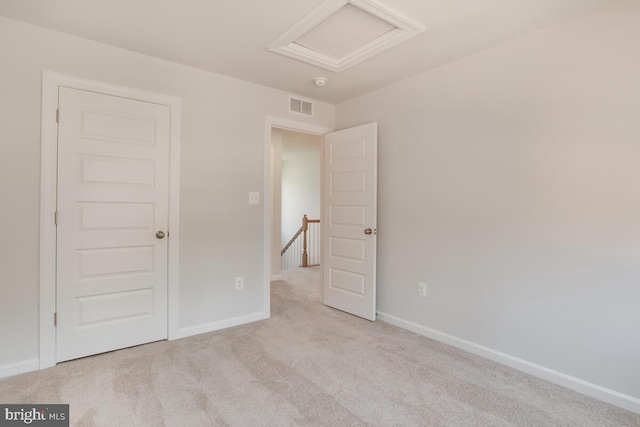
x=51, y=81
x=285, y=124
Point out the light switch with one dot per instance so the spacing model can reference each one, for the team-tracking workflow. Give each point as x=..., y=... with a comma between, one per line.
x=254, y=198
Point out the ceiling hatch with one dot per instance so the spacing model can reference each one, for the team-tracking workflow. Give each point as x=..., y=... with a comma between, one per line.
x=342, y=33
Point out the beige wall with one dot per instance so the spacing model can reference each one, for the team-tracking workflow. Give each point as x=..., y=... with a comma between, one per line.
x=300, y=181
x=509, y=181
x=223, y=152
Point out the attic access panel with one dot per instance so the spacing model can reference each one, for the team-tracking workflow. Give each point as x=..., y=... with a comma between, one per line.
x=342, y=33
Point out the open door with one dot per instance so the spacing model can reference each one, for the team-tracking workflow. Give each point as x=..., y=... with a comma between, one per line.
x=350, y=218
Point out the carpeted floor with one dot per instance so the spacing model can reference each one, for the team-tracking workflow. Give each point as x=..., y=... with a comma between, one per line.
x=307, y=365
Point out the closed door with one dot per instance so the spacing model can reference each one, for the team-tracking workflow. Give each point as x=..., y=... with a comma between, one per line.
x=113, y=195
x=350, y=217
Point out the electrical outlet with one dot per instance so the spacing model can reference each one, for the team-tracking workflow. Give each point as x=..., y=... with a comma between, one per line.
x=239, y=283
x=254, y=198
x=422, y=289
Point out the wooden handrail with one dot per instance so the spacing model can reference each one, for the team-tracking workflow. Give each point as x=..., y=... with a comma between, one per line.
x=302, y=230
x=293, y=239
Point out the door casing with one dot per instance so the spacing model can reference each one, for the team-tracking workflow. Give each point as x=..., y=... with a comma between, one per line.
x=51, y=81
x=295, y=126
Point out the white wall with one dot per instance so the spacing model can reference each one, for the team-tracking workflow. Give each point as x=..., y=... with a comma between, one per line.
x=509, y=181
x=276, y=202
x=300, y=181
x=223, y=132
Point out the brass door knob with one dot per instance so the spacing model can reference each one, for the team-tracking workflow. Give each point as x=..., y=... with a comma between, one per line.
x=368, y=231
x=160, y=234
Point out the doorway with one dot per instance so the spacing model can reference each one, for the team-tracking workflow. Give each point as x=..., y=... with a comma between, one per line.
x=296, y=184
x=273, y=177
x=349, y=214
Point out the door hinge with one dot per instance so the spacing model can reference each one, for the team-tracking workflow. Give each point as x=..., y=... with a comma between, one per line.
x=55, y=319
x=58, y=116
x=55, y=217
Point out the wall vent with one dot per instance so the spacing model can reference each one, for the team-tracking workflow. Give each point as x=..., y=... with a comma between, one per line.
x=300, y=106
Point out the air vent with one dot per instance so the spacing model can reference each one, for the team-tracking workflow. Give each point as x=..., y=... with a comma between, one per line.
x=300, y=106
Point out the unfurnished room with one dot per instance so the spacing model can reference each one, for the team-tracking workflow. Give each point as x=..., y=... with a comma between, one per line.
x=320, y=212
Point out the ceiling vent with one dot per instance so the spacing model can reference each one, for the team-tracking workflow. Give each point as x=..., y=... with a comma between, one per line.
x=342, y=33
x=300, y=106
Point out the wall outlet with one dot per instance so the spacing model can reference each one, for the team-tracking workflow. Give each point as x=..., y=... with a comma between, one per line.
x=254, y=198
x=239, y=283
x=422, y=289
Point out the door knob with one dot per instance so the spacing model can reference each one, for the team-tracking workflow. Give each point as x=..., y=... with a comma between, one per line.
x=368, y=231
x=160, y=234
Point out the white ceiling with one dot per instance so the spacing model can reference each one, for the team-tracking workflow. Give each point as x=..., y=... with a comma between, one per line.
x=231, y=37
x=344, y=31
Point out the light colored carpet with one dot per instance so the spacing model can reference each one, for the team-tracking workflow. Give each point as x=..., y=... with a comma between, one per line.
x=307, y=365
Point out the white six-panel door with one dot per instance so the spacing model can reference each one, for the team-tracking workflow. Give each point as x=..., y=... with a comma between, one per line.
x=350, y=217
x=113, y=193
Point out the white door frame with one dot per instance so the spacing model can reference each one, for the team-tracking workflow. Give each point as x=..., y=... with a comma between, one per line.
x=51, y=81
x=295, y=126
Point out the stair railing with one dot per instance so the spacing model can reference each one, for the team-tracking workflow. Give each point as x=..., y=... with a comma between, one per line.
x=303, y=249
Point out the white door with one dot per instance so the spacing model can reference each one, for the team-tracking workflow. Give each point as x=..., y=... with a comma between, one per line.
x=113, y=197
x=350, y=217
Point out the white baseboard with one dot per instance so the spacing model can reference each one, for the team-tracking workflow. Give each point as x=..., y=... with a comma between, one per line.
x=276, y=277
x=216, y=326
x=613, y=397
x=19, y=368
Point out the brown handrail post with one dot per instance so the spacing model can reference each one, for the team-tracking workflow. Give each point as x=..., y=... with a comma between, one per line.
x=305, y=256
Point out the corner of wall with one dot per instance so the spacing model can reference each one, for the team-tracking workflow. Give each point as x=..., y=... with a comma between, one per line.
x=604, y=394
